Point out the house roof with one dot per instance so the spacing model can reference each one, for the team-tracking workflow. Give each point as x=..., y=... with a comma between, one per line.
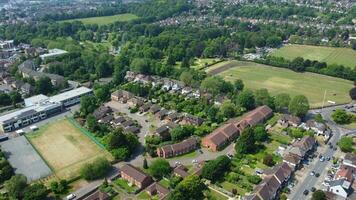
x=132, y=129
x=127, y=123
x=98, y=195
x=257, y=115
x=162, y=129
x=291, y=118
x=345, y=172
x=181, y=171
x=291, y=158
x=157, y=188
x=119, y=120
x=218, y=138
x=134, y=173
x=306, y=143
x=192, y=141
x=350, y=158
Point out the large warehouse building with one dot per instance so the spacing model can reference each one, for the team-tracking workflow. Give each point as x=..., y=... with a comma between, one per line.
x=41, y=107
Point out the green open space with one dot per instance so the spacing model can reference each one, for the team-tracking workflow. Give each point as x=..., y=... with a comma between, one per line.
x=65, y=147
x=217, y=195
x=330, y=55
x=125, y=185
x=105, y=19
x=279, y=80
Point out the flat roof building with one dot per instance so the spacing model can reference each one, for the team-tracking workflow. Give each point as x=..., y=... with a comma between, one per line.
x=40, y=107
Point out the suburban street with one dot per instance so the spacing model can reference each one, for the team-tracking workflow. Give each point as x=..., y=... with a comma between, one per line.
x=318, y=166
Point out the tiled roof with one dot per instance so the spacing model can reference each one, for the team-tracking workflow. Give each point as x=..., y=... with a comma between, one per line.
x=134, y=173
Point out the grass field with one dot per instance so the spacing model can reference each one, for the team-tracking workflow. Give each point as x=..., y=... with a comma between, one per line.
x=330, y=55
x=280, y=80
x=65, y=148
x=105, y=19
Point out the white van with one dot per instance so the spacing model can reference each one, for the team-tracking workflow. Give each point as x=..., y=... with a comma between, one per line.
x=20, y=132
x=34, y=128
x=71, y=197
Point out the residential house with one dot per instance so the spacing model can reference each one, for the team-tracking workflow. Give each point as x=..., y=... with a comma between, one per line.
x=187, y=90
x=27, y=89
x=346, y=172
x=98, y=195
x=350, y=160
x=127, y=123
x=154, y=109
x=177, y=85
x=228, y=132
x=135, y=176
x=317, y=127
x=121, y=96
x=157, y=189
x=340, y=187
x=274, y=179
x=292, y=160
x=106, y=119
x=136, y=102
x=101, y=112
x=289, y=120
x=191, y=120
x=161, y=114
x=17, y=84
x=181, y=171
x=163, y=132
x=220, y=137
x=130, y=76
x=183, y=147
x=173, y=117
x=118, y=121
x=298, y=151
x=145, y=107
x=132, y=129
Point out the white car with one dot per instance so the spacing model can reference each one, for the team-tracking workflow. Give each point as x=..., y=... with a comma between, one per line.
x=71, y=197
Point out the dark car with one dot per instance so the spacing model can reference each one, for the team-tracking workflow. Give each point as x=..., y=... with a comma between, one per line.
x=317, y=175
x=335, y=149
x=306, y=192
x=313, y=189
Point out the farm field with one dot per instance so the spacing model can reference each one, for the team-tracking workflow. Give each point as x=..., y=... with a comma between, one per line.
x=65, y=148
x=280, y=80
x=330, y=55
x=105, y=19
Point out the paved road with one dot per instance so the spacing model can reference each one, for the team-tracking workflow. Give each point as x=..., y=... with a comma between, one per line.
x=319, y=166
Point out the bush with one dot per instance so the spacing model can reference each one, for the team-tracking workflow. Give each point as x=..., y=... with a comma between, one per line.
x=254, y=179
x=341, y=117
x=345, y=144
x=96, y=169
x=159, y=168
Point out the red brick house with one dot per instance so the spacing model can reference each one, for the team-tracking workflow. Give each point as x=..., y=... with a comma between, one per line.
x=157, y=189
x=183, y=147
x=225, y=134
x=135, y=176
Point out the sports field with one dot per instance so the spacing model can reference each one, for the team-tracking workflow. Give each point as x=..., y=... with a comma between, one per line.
x=105, y=19
x=280, y=80
x=65, y=148
x=330, y=55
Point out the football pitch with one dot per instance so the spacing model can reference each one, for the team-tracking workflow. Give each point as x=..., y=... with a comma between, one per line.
x=279, y=80
x=105, y=19
x=65, y=148
x=330, y=55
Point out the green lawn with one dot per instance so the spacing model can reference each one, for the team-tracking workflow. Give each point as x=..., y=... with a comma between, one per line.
x=229, y=186
x=164, y=183
x=330, y=55
x=105, y=19
x=217, y=195
x=124, y=185
x=201, y=63
x=280, y=80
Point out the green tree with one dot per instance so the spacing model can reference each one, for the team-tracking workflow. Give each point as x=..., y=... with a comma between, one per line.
x=268, y=160
x=160, y=168
x=228, y=109
x=318, y=195
x=16, y=186
x=345, y=144
x=212, y=84
x=36, y=191
x=262, y=97
x=91, y=123
x=215, y=169
x=299, y=106
x=260, y=133
x=97, y=169
x=87, y=105
x=145, y=164
x=246, y=99
x=15, y=97
x=186, y=77
x=246, y=142
x=191, y=188
x=341, y=117
x=352, y=92
x=140, y=65
x=44, y=86
x=238, y=85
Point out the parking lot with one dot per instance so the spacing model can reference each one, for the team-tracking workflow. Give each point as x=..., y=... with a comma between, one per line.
x=24, y=158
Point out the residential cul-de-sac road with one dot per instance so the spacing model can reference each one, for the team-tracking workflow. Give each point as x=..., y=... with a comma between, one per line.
x=321, y=167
